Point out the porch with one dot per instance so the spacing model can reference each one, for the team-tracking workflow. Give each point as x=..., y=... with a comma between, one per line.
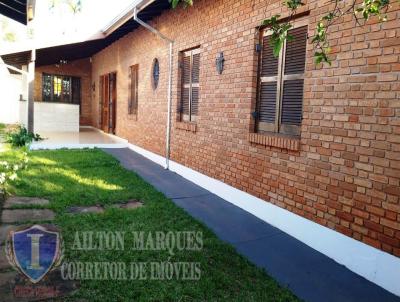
x=87, y=137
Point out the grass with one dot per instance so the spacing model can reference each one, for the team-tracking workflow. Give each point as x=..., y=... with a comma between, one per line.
x=2, y=131
x=89, y=177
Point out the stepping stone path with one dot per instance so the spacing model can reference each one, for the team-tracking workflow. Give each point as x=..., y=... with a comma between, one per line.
x=86, y=210
x=14, y=286
x=24, y=201
x=24, y=215
x=131, y=204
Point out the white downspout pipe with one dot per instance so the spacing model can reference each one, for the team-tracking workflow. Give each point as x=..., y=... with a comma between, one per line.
x=171, y=46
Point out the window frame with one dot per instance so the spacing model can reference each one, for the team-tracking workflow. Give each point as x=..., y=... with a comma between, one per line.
x=277, y=127
x=189, y=118
x=133, y=102
x=62, y=94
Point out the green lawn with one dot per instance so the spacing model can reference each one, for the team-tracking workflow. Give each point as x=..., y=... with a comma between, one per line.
x=2, y=130
x=90, y=177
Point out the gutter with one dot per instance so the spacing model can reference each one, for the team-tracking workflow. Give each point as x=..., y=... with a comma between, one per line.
x=140, y=6
x=125, y=15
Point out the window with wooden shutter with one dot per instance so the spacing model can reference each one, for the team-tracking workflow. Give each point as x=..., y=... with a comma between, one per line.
x=133, y=94
x=190, y=85
x=281, y=83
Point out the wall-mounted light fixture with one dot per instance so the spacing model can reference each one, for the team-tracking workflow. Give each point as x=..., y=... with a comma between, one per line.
x=220, y=62
x=94, y=86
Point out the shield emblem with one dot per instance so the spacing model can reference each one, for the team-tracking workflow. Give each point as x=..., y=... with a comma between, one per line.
x=35, y=250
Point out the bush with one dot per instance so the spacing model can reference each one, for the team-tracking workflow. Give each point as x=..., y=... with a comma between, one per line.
x=21, y=137
x=8, y=174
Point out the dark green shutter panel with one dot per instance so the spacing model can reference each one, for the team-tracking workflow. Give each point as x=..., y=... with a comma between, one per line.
x=269, y=63
x=267, y=102
x=292, y=102
x=296, y=51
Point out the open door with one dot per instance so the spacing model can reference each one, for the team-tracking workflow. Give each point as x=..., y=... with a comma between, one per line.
x=108, y=102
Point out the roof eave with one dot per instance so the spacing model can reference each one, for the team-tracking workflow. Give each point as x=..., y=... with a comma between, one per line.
x=126, y=15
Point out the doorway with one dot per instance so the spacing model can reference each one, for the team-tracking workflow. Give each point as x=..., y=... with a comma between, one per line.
x=108, y=102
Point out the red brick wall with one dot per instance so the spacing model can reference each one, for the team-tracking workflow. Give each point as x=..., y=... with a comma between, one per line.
x=78, y=68
x=344, y=173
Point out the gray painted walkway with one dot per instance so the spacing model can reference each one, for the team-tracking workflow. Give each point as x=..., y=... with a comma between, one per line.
x=308, y=273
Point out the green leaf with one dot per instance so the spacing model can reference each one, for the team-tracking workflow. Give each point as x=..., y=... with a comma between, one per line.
x=277, y=47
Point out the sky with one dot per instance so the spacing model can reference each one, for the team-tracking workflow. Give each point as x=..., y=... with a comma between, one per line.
x=61, y=24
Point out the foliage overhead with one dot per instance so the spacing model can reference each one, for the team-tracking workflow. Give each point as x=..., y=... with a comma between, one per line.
x=362, y=11
x=6, y=33
x=75, y=6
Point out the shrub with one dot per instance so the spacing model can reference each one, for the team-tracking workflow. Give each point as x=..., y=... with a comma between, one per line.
x=8, y=173
x=21, y=137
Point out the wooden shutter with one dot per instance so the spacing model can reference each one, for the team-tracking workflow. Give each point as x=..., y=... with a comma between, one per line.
x=133, y=96
x=293, y=82
x=190, y=85
x=281, y=84
x=267, y=105
x=101, y=98
x=185, y=103
x=194, y=108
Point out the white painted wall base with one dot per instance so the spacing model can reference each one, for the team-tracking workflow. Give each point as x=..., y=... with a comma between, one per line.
x=56, y=117
x=375, y=265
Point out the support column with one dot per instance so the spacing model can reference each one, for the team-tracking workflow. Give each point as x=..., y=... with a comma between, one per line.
x=31, y=91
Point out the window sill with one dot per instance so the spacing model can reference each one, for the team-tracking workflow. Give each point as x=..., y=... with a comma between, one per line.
x=278, y=141
x=132, y=116
x=192, y=127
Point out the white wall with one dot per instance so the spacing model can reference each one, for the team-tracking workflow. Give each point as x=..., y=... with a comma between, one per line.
x=55, y=117
x=10, y=90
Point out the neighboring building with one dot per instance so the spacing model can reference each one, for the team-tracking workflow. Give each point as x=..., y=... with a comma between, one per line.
x=11, y=85
x=320, y=142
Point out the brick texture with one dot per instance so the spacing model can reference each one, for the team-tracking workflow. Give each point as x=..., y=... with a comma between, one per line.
x=343, y=172
x=78, y=68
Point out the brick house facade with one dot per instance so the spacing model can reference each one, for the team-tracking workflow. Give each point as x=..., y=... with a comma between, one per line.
x=342, y=171
x=80, y=69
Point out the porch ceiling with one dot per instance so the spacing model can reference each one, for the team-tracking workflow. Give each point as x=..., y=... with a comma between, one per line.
x=14, y=9
x=70, y=52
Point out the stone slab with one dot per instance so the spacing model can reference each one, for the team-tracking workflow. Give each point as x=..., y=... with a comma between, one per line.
x=132, y=204
x=24, y=201
x=86, y=210
x=24, y=215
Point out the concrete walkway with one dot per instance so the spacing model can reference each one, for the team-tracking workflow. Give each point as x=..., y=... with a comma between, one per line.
x=308, y=273
x=87, y=137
